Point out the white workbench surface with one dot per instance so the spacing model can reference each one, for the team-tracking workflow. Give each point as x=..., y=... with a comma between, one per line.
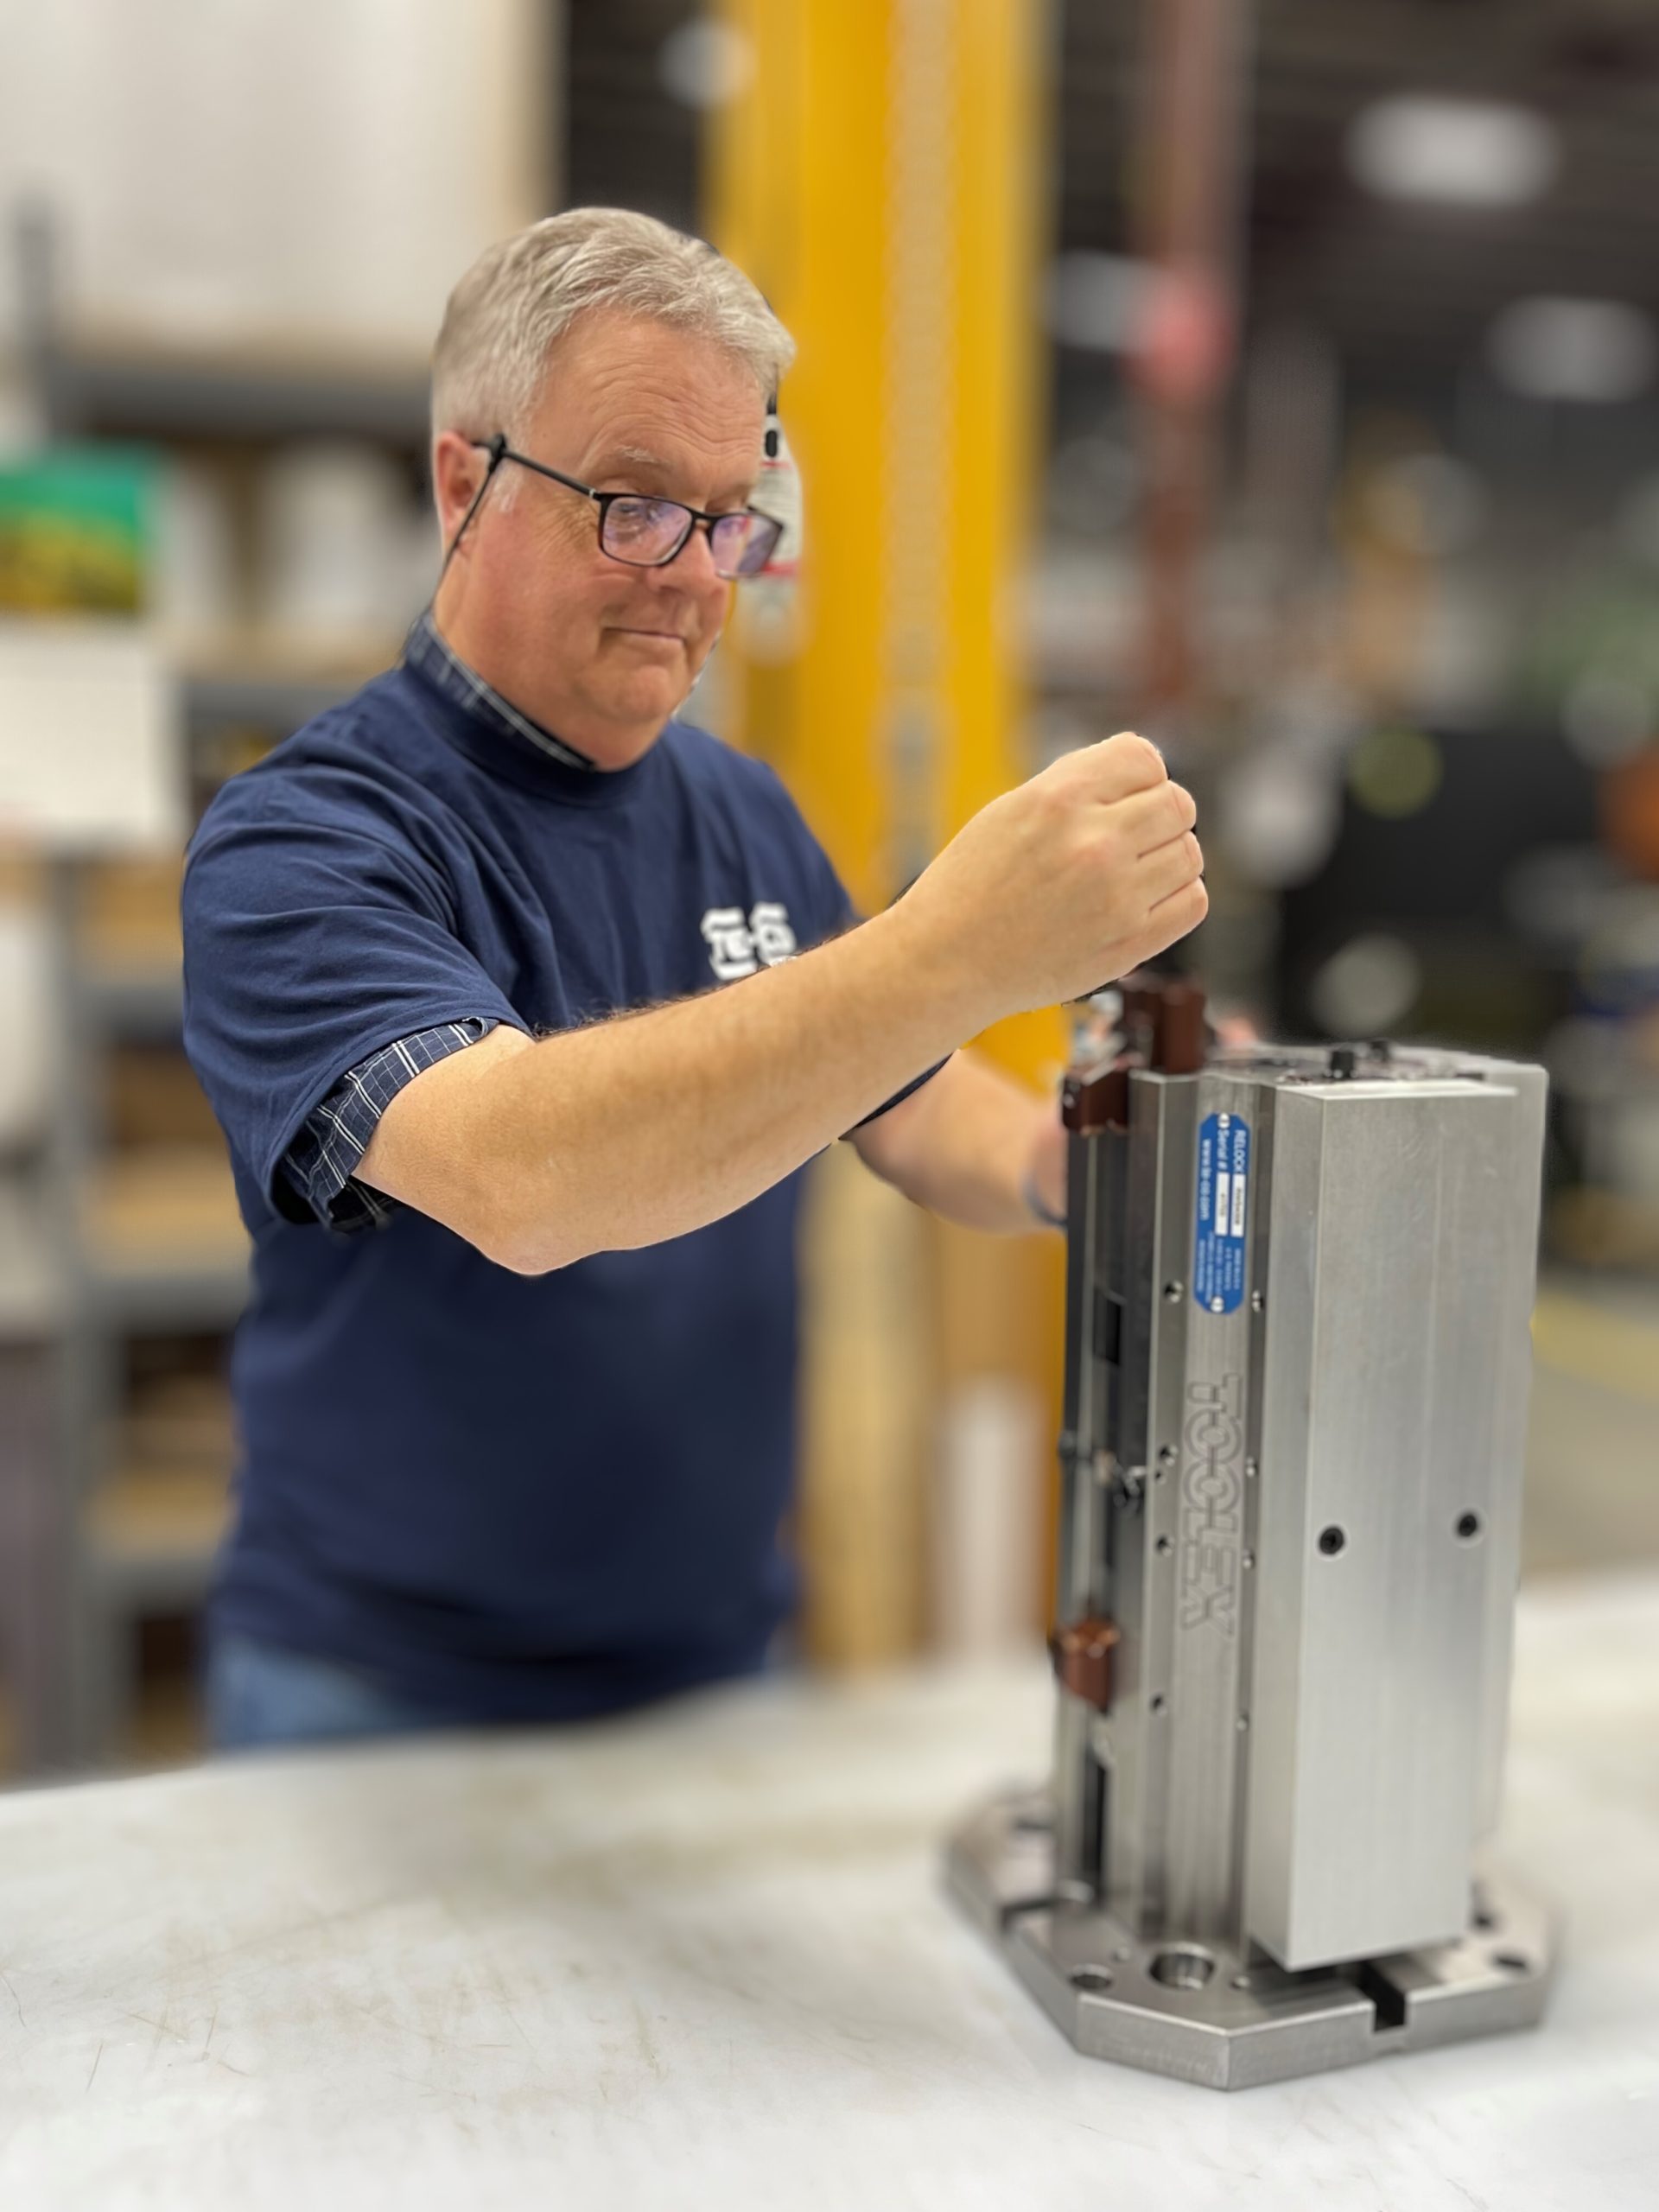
x=701, y=1959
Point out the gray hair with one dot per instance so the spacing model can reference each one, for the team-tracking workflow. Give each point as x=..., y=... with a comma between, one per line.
x=521, y=295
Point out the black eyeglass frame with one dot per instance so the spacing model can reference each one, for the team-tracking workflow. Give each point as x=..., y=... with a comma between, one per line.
x=500, y=450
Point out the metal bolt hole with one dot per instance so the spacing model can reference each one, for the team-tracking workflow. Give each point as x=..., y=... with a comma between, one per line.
x=1512, y=1962
x=1468, y=1526
x=1332, y=1540
x=1093, y=1981
x=1184, y=1966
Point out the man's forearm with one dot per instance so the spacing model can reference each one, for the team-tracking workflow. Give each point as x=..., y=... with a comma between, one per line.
x=652, y=1125
x=972, y=1145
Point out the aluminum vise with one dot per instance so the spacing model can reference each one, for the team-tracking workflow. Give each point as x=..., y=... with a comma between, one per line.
x=1297, y=1367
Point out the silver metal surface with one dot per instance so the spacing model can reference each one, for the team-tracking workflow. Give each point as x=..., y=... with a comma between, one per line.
x=1077, y=1778
x=1397, y=1362
x=1201, y=1400
x=1297, y=1504
x=1228, y=2018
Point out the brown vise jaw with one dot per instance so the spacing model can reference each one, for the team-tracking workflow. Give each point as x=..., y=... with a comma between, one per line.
x=1083, y=1660
x=1163, y=1032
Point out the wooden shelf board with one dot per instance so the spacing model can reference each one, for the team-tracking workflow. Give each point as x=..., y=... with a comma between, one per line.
x=163, y=1208
x=149, y=1516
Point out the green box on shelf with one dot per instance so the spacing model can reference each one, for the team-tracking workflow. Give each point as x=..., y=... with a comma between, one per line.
x=77, y=526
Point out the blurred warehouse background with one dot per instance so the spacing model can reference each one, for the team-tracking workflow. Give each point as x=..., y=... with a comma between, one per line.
x=1282, y=379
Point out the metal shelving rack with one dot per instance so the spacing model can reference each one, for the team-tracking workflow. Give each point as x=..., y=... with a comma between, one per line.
x=124, y=1556
x=132, y=1539
x=31, y=1526
x=88, y=1545
x=102, y=387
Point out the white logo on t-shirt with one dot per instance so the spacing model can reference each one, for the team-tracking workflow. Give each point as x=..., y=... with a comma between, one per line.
x=737, y=947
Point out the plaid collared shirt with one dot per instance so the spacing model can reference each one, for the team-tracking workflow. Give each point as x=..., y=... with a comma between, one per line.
x=443, y=668
x=322, y=1161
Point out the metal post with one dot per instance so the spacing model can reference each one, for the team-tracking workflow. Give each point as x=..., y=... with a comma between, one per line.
x=1189, y=203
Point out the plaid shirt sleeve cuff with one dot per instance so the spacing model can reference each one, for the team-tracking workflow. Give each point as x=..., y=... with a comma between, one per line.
x=321, y=1165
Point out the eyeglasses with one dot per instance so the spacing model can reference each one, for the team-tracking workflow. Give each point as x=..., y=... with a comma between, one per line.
x=646, y=532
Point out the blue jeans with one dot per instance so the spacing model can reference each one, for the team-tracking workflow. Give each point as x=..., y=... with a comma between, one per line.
x=259, y=1693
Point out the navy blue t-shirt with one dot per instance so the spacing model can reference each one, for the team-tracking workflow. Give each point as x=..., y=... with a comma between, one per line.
x=502, y=1495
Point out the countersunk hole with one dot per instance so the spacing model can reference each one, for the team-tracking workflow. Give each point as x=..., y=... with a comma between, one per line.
x=1512, y=1961
x=1332, y=1540
x=1093, y=1981
x=1468, y=1526
x=1182, y=1967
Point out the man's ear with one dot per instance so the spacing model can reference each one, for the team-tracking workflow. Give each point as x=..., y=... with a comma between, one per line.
x=461, y=482
x=458, y=467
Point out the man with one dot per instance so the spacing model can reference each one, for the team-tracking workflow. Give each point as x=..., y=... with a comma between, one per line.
x=522, y=1004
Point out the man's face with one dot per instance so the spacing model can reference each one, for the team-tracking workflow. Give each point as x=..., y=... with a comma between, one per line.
x=601, y=652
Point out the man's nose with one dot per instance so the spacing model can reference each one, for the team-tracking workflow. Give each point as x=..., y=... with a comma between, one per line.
x=693, y=565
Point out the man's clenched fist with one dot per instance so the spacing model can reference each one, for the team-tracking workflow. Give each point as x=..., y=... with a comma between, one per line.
x=1069, y=881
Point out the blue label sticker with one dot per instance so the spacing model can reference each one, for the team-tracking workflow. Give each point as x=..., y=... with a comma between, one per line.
x=1222, y=1211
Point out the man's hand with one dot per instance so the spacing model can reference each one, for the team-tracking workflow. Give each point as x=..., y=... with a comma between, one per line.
x=1065, y=883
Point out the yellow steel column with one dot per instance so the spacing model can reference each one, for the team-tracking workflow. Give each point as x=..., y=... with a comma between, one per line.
x=798, y=199
x=879, y=176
